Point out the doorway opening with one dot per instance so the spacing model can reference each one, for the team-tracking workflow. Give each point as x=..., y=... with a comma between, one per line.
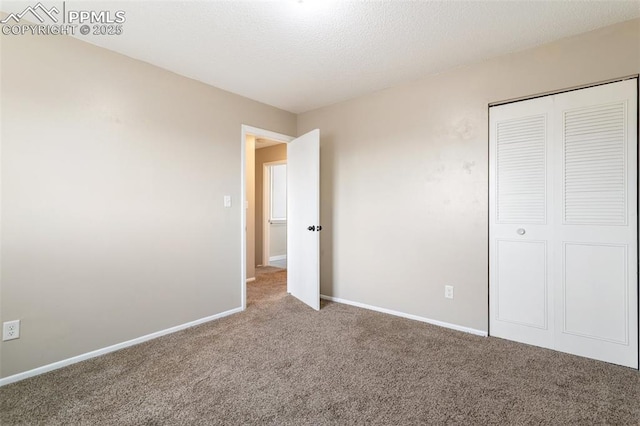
x=271, y=194
x=261, y=151
x=302, y=212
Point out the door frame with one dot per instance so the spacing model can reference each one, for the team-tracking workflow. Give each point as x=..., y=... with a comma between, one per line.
x=266, y=207
x=246, y=130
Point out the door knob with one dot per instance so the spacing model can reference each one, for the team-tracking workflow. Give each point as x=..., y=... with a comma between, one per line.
x=521, y=231
x=311, y=228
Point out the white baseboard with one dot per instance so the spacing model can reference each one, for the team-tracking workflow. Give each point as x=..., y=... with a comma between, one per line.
x=112, y=348
x=251, y=279
x=408, y=316
x=279, y=257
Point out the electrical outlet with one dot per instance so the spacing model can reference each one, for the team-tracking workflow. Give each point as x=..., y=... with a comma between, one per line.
x=448, y=291
x=10, y=330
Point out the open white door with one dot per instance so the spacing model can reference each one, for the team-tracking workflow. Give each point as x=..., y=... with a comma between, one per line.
x=303, y=218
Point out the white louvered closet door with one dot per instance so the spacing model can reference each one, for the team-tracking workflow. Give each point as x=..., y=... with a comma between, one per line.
x=563, y=222
x=520, y=222
x=596, y=223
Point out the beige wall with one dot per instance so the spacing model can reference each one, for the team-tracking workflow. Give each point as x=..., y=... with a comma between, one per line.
x=113, y=174
x=264, y=155
x=250, y=179
x=404, y=175
x=277, y=239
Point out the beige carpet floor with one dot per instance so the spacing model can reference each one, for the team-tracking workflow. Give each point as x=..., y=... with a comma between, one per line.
x=280, y=363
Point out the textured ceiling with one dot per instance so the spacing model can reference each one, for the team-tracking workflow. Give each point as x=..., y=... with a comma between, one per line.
x=301, y=55
x=265, y=143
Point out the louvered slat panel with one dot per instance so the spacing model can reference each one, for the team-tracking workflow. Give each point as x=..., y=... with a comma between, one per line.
x=521, y=170
x=594, y=166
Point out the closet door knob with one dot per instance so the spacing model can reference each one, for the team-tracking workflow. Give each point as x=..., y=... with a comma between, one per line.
x=311, y=228
x=521, y=231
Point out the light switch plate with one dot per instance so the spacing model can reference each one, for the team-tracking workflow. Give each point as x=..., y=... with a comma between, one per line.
x=227, y=201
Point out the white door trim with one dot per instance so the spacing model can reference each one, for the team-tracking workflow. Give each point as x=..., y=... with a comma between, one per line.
x=259, y=133
x=266, y=207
